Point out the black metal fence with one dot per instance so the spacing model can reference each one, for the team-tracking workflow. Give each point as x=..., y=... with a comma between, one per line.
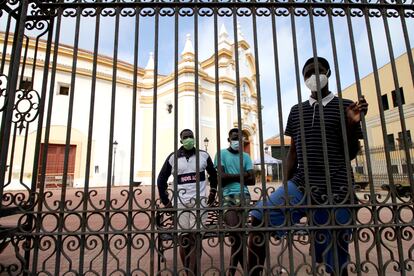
x=97, y=92
x=399, y=167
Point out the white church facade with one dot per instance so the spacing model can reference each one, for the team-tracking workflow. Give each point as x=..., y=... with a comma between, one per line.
x=117, y=94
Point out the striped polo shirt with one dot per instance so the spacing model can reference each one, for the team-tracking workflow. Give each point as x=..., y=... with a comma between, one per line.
x=314, y=148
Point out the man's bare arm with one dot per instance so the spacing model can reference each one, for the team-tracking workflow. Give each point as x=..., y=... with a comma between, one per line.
x=291, y=161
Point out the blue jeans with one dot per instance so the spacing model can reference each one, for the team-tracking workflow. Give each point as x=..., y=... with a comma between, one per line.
x=324, y=247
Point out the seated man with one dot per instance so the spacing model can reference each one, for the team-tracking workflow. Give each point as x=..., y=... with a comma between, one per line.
x=315, y=189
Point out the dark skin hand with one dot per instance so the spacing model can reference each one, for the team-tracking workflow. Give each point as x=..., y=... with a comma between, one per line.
x=211, y=197
x=354, y=111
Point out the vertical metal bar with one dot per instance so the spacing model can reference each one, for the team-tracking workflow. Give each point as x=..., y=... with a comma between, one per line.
x=62, y=202
x=89, y=145
x=331, y=220
x=307, y=193
x=384, y=137
x=22, y=123
x=358, y=85
x=240, y=127
x=239, y=121
x=175, y=184
x=405, y=138
x=38, y=219
x=345, y=141
x=132, y=154
x=280, y=116
x=260, y=122
x=198, y=249
x=110, y=147
x=39, y=130
x=359, y=93
x=399, y=101
x=154, y=138
x=218, y=155
x=320, y=107
x=11, y=93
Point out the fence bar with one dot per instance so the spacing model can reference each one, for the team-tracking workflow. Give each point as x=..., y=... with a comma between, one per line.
x=108, y=227
x=6, y=121
x=176, y=133
x=154, y=137
x=218, y=137
x=89, y=146
x=398, y=230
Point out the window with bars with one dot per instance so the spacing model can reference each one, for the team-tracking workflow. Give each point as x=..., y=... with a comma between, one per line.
x=384, y=99
x=63, y=90
x=395, y=98
x=391, y=142
x=401, y=139
x=26, y=84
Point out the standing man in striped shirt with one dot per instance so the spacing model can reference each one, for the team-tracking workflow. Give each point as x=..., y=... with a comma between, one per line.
x=186, y=194
x=315, y=185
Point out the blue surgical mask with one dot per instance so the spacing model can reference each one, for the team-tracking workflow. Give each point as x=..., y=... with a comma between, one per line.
x=234, y=145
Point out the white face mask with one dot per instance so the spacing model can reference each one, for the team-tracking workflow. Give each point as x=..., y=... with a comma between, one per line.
x=311, y=82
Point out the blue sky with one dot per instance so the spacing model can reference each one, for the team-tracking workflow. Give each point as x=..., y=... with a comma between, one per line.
x=265, y=48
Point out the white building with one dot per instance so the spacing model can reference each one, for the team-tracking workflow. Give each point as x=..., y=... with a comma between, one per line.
x=121, y=87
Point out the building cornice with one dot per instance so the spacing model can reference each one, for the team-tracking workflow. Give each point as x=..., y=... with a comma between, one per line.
x=221, y=53
x=246, y=106
x=182, y=88
x=84, y=55
x=227, y=95
x=79, y=71
x=391, y=116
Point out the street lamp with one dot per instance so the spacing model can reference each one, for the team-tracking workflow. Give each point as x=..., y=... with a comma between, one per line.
x=115, y=145
x=206, y=143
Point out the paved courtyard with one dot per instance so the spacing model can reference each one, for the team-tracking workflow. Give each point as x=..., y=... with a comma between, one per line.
x=143, y=255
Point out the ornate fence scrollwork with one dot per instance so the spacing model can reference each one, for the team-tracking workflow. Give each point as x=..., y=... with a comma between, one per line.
x=116, y=76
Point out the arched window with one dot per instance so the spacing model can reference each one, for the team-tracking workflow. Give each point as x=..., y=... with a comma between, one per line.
x=245, y=93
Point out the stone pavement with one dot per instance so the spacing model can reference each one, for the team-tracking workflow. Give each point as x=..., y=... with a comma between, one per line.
x=144, y=257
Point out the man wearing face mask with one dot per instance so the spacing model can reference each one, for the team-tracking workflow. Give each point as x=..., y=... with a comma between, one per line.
x=186, y=194
x=232, y=192
x=304, y=186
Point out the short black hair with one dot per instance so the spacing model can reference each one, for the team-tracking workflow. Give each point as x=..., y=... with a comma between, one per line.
x=233, y=130
x=186, y=129
x=321, y=60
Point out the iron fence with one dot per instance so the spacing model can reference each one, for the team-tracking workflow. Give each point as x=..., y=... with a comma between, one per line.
x=110, y=82
x=399, y=167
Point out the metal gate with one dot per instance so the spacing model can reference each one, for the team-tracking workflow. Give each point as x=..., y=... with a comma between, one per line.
x=115, y=82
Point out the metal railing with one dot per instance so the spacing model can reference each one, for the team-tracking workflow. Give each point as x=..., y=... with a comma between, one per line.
x=135, y=83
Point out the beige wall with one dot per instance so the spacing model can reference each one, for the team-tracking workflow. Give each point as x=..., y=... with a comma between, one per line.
x=387, y=85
